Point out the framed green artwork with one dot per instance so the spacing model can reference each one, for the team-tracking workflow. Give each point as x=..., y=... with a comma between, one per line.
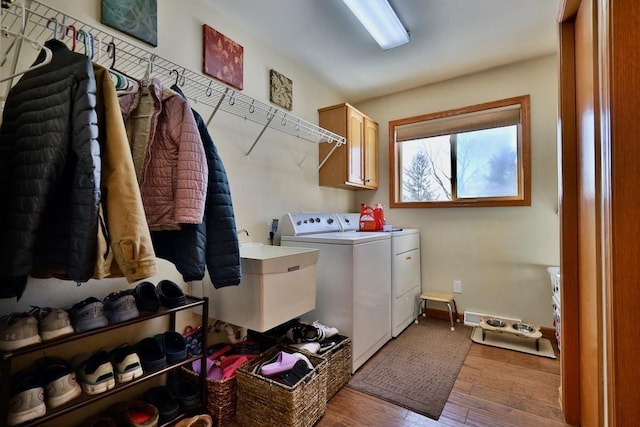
x=281, y=90
x=137, y=18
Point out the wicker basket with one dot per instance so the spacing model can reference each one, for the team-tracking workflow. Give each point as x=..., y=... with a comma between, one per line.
x=265, y=402
x=221, y=398
x=338, y=359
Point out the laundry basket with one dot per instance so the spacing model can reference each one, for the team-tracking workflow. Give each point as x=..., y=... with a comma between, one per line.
x=554, y=275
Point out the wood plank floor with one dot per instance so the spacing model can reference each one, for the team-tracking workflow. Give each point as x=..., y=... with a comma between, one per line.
x=495, y=388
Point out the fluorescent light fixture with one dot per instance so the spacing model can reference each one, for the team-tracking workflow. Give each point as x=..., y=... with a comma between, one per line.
x=381, y=22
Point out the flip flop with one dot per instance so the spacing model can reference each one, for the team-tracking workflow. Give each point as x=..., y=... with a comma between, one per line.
x=230, y=370
x=284, y=362
x=196, y=365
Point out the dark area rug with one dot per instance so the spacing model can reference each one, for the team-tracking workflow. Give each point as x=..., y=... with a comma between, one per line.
x=417, y=369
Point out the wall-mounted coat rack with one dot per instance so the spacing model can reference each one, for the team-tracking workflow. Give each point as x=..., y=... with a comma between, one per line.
x=37, y=21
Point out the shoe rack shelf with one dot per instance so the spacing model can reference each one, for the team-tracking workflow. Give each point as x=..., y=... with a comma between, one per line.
x=6, y=359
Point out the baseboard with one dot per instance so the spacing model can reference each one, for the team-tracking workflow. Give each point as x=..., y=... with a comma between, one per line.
x=548, y=333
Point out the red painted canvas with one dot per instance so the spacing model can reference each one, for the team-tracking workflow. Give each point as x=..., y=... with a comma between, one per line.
x=222, y=57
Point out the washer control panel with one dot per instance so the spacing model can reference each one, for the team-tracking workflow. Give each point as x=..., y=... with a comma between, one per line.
x=296, y=224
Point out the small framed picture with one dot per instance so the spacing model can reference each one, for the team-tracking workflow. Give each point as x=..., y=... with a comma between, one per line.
x=137, y=18
x=222, y=58
x=281, y=92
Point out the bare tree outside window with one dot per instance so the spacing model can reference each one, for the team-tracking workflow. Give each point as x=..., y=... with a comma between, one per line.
x=483, y=161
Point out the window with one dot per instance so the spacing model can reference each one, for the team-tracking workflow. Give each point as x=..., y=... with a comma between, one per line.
x=472, y=156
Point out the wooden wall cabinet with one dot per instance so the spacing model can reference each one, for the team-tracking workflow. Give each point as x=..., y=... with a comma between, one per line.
x=353, y=165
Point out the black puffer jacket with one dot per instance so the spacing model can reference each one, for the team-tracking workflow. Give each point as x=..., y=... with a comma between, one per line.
x=215, y=241
x=50, y=172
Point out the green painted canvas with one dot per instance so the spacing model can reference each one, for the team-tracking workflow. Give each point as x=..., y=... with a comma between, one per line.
x=137, y=18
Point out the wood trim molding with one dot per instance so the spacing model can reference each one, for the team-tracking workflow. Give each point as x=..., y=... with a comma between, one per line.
x=568, y=212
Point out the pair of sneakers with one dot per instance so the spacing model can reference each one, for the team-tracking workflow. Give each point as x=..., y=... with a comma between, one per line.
x=98, y=372
x=315, y=332
x=92, y=313
x=49, y=383
x=19, y=330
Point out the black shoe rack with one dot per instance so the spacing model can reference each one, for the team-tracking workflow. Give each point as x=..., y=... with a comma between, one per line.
x=7, y=359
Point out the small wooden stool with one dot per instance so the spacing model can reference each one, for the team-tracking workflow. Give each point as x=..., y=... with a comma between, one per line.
x=443, y=298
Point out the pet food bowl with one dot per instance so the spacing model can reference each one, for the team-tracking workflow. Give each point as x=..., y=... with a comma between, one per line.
x=496, y=323
x=522, y=327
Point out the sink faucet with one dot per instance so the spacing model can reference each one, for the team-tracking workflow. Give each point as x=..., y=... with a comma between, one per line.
x=245, y=231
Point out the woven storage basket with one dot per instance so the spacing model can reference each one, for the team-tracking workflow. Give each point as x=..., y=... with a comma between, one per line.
x=338, y=360
x=221, y=398
x=339, y=365
x=266, y=402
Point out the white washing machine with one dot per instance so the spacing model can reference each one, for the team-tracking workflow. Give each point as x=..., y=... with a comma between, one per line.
x=406, y=283
x=353, y=279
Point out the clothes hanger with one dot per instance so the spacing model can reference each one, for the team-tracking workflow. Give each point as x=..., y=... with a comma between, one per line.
x=124, y=81
x=47, y=58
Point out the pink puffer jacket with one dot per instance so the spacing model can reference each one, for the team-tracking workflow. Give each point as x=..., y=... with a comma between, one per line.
x=169, y=157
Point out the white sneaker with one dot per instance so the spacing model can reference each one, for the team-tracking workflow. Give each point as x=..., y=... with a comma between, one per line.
x=328, y=330
x=311, y=347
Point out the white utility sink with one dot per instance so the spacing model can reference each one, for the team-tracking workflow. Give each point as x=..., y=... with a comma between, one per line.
x=266, y=259
x=278, y=284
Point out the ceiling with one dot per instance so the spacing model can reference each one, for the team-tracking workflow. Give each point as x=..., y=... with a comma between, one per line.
x=449, y=38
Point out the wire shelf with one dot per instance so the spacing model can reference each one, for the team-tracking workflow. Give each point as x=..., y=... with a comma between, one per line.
x=38, y=22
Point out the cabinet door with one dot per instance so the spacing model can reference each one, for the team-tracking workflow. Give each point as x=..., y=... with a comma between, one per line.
x=355, y=146
x=370, y=147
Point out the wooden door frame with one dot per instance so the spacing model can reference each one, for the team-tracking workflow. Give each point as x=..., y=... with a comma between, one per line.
x=568, y=214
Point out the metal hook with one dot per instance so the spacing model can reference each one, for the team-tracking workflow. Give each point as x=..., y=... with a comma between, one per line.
x=209, y=90
x=180, y=79
x=270, y=114
x=149, y=69
x=177, y=75
x=55, y=28
x=73, y=36
x=252, y=108
x=284, y=120
x=232, y=100
x=84, y=40
x=111, y=53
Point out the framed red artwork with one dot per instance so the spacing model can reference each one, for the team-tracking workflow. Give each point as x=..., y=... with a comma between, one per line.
x=222, y=58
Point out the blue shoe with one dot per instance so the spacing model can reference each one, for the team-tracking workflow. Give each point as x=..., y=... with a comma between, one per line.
x=170, y=294
x=147, y=298
x=151, y=355
x=173, y=345
x=120, y=306
x=87, y=315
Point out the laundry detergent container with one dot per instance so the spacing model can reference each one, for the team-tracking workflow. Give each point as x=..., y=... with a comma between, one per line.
x=278, y=284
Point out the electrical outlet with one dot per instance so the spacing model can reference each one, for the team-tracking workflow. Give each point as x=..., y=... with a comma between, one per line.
x=457, y=286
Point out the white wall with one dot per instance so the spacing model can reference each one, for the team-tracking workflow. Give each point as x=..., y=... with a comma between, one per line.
x=499, y=254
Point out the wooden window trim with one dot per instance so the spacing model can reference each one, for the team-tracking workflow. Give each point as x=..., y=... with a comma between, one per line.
x=524, y=149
